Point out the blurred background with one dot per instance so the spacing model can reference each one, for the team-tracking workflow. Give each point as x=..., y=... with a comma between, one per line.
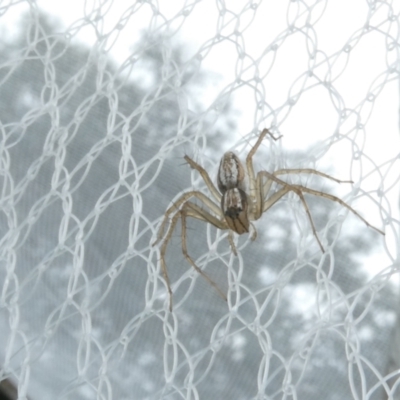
x=100, y=101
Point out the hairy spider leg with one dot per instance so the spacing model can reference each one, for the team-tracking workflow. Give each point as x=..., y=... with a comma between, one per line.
x=194, y=211
x=249, y=162
x=220, y=224
x=266, y=187
x=181, y=209
x=340, y=201
x=323, y=194
x=206, y=178
x=256, y=193
x=299, y=189
x=178, y=203
x=308, y=171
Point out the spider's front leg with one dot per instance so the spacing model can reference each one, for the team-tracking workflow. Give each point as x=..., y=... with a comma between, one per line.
x=257, y=192
x=206, y=178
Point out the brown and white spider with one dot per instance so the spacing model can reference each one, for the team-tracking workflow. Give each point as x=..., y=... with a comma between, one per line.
x=235, y=209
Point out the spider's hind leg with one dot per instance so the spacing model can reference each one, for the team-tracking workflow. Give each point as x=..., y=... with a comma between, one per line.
x=270, y=201
x=206, y=178
x=183, y=208
x=187, y=210
x=314, y=230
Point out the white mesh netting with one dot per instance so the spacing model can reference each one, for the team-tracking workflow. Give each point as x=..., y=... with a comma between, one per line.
x=100, y=101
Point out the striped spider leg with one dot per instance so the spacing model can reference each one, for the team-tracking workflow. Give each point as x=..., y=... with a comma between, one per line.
x=235, y=208
x=182, y=209
x=259, y=189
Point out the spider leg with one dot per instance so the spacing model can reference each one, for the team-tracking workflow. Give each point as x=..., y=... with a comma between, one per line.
x=308, y=171
x=255, y=200
x=298, y=189
x=266, y=187
x=188, y=209
x=303, y=200
x=177, y=205
x=340, y=201
x=162, y=256
x=255, y=184
x=253, y=235
x=280, y=193
x=321, y=194
x=205, y=216
x=184, y=212
x=205, y=176
x=249, y=159
x=195, y=211
x=274, y=198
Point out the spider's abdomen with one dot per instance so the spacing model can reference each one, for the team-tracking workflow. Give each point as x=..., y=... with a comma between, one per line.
x=230, y=173
x=235, y=208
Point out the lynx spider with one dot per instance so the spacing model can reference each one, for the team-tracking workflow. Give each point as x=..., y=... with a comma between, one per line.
x=236, y=208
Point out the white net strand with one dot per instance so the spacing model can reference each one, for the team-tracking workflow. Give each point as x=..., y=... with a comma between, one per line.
x=99, y=105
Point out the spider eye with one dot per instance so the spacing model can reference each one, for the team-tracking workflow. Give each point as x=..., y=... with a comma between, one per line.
x=234, y=206
x=230, y=173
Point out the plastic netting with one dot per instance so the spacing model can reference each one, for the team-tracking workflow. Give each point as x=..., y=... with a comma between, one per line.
x=100, y=101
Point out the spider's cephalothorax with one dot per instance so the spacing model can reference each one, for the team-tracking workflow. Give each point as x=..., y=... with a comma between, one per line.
x=235, y=207
x=230, y=173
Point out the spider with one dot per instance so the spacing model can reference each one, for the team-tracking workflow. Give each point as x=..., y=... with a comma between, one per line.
x=232, y=208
